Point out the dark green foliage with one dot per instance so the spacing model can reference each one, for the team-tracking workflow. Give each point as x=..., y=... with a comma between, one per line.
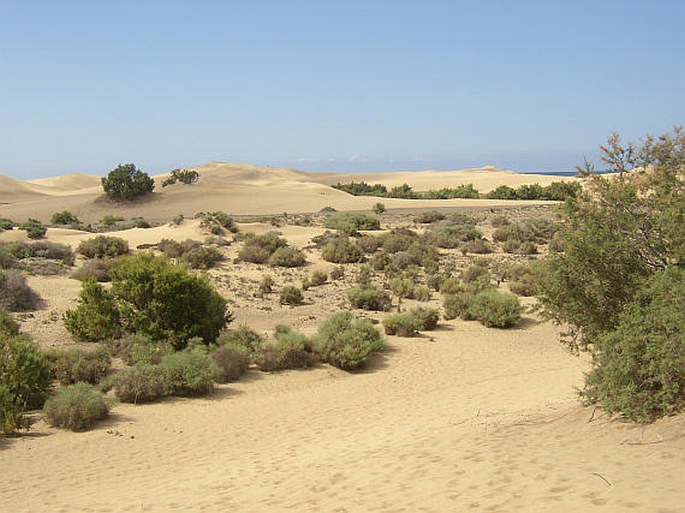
x=351, y=223
x=142, y=350
x=34, y=229
x=289, y=350
x=346, y=342
x=75, y=364
x=341, y=250
x=165, y=302
x=97, y=316
x=378, y=208
x=259, y=248
x=233, y=360
x=110, y=221
x=8, y=326
x=403, y=191
x=126, y=182
x=24, y=377
x=639, y=368
x=291, y=295
x=190, y=373
x=102, y=246
x=287, y=257
x=402, y=325
x=556, y=191
x=458, y=304
x=6, y=224
x=362, y=189
x=619, y=238
x=64, y=217
x=76, y=407
x=202, y=257
x=369, y=297
x=530, y=192
x=561, y=191
x=15, y=294
x=464, y=191
x=185, y=176
x=142, y=383
x=453, y=236
x=503, y=192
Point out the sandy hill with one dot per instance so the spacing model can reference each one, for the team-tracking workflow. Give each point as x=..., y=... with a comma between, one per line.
x=239, y=189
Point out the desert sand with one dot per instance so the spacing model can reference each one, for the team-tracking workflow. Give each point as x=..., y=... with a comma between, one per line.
x=464, y=418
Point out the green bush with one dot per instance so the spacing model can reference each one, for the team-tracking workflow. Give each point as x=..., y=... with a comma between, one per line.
x=428, y=317
x=422, y=293
x=111, y=220
x=126, y=182
x=142, y=383
x=403, y=191
x=64, y=217
x=185, y=176
x=8, y=326
x=142, y=350
x=34, y=229
x=458, y=305
x=639, y=368
x=202, y=257
x=369, y=297
x=243, y=336
x=431, y=216
x=102, y=246
x=479, y=247
x=496, y=310
x=76, y=407
x=520, y=248
x=346, y=342
x=233, y=360
x=287, y=257
x=217, y=222
x=503, y=192
x=351, y=223
x=257, y=249
x=97, y=316
x=402, y=325
x=153, y=297
x=453, y=236
x=6, y=224
x=289, y=350
x=378, y=208
x=341, y=250
x=190, y=373
x=24, y=377
x=362, y=189
x=291, y=295
x=75, y=364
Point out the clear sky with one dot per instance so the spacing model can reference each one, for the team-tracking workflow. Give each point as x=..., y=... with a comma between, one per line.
x=354, y=85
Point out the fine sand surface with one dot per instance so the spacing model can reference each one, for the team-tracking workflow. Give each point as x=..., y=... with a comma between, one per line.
x=464, y=418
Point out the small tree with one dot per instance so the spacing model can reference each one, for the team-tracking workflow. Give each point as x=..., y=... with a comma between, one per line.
x=126, y=182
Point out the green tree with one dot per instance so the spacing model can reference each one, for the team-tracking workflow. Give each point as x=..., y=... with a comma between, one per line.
x=618, y=235
x=126, y=182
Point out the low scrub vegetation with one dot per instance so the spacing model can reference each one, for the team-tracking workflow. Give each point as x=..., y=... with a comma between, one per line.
x=64, y=217
x=185, y=176
x=76, y=364
x=290, y=349
x=291, y=295
x=76, y=407
x=15, y=294
x=342, y=250
x=346, y=342
x=102, y=246
x=369, y=297
x=34, y=229
x=351, y=223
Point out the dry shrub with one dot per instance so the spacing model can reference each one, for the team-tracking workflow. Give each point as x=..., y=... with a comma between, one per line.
x=78, y=364
x=15, y=294
x=142, y=383
x=76, y=407
x=233, y=360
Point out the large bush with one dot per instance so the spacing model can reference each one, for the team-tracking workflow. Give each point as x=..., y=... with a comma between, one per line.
x=341, y=250
x=620, y=236
x=76, y=407
x=346, y=342
x=369, y=297
x=153, y=297
x=496, y=310
x=126, y=182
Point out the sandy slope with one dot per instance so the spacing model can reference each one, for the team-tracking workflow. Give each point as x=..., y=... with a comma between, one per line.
x=238, y=189
x=465, y=419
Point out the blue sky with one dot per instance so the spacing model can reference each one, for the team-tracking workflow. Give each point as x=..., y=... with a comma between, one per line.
x=332, y=85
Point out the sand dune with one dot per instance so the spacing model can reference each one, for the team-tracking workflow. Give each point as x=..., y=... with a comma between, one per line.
x=239, y=189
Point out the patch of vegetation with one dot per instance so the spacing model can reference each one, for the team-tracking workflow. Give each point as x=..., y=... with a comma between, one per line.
x=142, y=383
x=76, y=364
x=98, y=269
x=233, y=360
x=218, y=222
x=126, y=182
x=351, y=223
x=76, y=407
x=428, y=217
x=402, y=325
x=464, y=191
x=369, y=297
x=6, y=224
x=290, y=349
x=496, y=310
x=153, y=297
x=15, y=294
x=185, y=176
x=287, y=257
x=257, y=249
x=102, y=246
x=362, y=189
x=341, y=250
x=34, y=229
x=346, y=342
x=190, y=373
x=291, y=295
x=378, y=208
x=64, y=217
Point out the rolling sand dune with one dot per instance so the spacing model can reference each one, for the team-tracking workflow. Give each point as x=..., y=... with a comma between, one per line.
x=464, y=419
x=240, y=189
